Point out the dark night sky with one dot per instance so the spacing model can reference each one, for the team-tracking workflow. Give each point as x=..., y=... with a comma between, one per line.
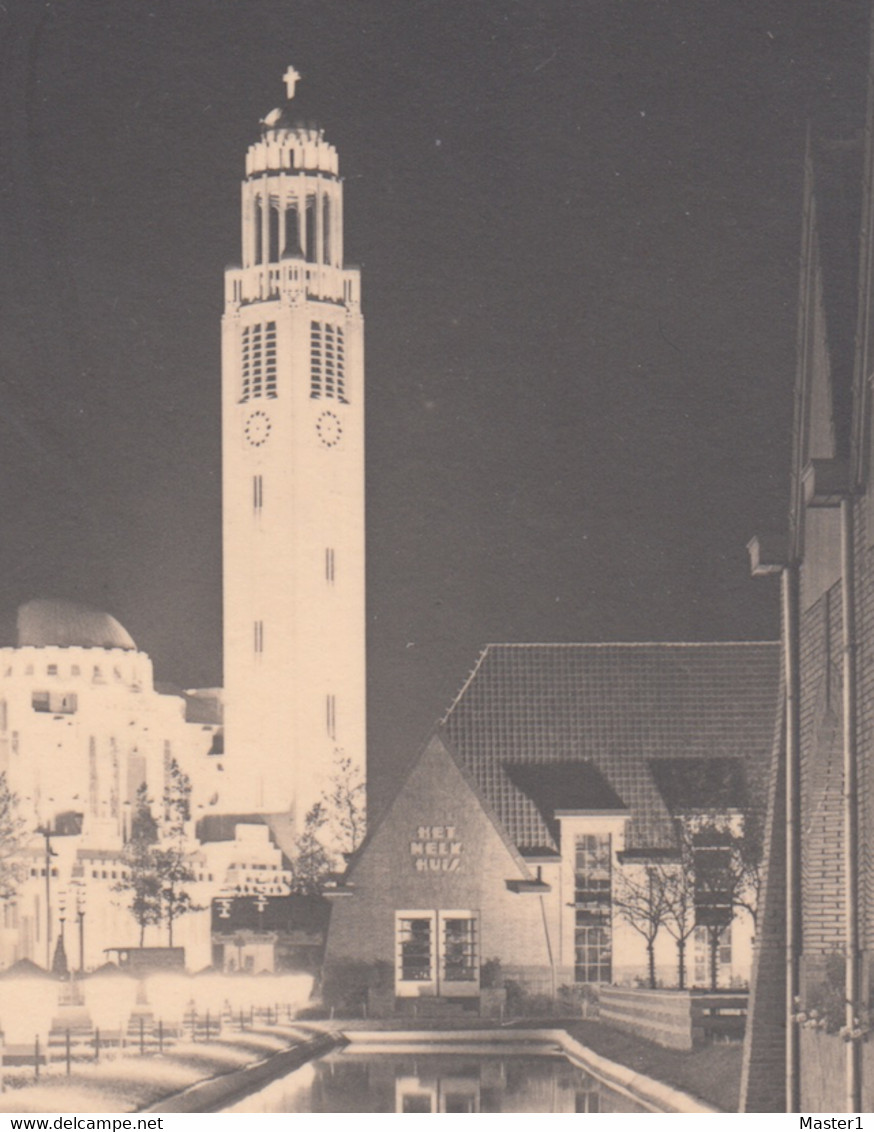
x=579, y=228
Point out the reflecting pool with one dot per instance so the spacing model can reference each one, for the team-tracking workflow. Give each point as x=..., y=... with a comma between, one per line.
x=348, y=1081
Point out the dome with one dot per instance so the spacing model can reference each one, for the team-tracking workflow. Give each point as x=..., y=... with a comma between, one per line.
x=43, y=623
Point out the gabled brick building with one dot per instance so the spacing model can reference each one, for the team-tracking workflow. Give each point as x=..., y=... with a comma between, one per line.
x=557, y=768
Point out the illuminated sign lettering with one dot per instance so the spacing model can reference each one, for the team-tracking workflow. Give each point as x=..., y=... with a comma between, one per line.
x=436, y=849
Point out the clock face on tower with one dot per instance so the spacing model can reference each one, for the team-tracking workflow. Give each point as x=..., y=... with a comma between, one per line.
x=329, y=429
x=256, y=428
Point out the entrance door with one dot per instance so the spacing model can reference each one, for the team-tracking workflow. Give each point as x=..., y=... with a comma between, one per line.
x=437, y=954
x=459, y=954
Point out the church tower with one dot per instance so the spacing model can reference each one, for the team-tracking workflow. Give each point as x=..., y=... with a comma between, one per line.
x=293, y=478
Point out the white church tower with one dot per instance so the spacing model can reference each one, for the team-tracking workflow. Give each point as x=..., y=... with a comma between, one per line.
x=293, y=478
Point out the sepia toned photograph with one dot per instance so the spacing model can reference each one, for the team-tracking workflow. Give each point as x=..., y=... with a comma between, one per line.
x=436, y=556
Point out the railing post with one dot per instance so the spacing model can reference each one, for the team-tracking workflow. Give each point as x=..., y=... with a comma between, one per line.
x=160, y=1036
x=96, y=1043
x=36, y=1057
x=67, y=1049
x=142, y=1036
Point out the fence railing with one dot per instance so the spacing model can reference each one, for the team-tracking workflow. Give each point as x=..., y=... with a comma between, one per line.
x=144, y=1034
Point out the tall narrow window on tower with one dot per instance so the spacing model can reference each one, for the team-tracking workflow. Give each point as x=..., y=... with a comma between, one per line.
x=257, y=493
x=259, y=637
x=292, y=235
x=326, y=229
x=331, y=714
x=258, y=361
x=329, y=564
x=257, y=230
x=93, y=800
x=311, y=229
x=273, y=244
x=327, y=361
x=341, y=368
x=315, y=359
x=270, y=360
x=330, y=362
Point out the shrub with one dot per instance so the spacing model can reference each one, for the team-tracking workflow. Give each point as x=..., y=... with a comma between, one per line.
x=345, y=983
x=491, y=975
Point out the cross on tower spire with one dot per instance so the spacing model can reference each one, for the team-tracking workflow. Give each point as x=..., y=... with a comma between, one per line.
x=291, y=79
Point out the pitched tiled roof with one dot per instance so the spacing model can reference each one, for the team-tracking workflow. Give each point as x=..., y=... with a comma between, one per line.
x=690, y=785
x=563, y=786
x=617, y=707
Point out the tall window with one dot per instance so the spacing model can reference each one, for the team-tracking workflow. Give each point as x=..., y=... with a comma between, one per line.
x=415, y=961
x=331, y=715
x=258, y=361
x=273, y=233
x=270, y=360
x=329, y=564
x=327, y=361
x=315, y=359
x=258, y=249
x=93, y=797
x=259, y=636
x=115, y=786
x=292, y=236
x=702, y=972
x=459, y=950
x=326, y=229
x=593, y=906
x=714, y=881
x=310, y=226
x=257, y=493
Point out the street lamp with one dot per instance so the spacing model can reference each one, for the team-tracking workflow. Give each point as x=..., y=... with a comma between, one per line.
x=46, y=832
x=80, y=916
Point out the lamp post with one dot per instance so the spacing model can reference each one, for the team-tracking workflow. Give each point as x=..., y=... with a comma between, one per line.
x=46, y=832
x=80, y=916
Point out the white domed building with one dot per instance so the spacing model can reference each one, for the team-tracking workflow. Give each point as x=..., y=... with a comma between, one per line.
x=81, y=727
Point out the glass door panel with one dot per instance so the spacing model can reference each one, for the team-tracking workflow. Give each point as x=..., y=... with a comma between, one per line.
x=459, y=954
x=415, y=971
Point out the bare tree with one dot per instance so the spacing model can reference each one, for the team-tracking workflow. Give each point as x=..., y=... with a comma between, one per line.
x=678, y=878
x=344, y=804
x=641, y=899
x=12, y=827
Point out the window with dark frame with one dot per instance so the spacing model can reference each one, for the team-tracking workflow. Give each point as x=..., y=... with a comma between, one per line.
x=593, y=903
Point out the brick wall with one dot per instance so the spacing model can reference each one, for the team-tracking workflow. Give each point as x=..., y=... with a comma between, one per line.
x=822, y=827
x=764, y=1058
x=865, y=699
x=386, y=879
